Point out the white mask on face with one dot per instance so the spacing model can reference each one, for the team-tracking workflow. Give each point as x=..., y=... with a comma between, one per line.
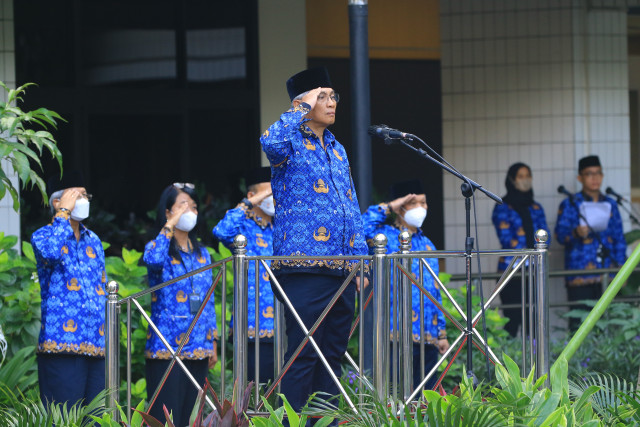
x=523, y=185
x=80, y=211
x=268, y=206
x=187, y=221
x=415, y=217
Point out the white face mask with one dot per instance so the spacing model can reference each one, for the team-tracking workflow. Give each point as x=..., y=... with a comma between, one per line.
x=268, y=206
x=187, y=221
x=415, y=217
x=523, y=185
x=80, y=211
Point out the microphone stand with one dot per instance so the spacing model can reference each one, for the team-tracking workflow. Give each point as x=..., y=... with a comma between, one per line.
x=631, y=216
x=467, y=188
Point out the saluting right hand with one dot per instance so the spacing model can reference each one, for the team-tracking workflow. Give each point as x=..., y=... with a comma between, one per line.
x=175, y=216
x=396, y=204
x=260, y=196
x=312, y=97
x=68, y=199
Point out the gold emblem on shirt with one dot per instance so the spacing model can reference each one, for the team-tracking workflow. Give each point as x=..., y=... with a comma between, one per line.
x=352, y=240
x=210, y=334
x=179, y=339
x=337, y=154
x=90, y=252
x=260, y=241
x=504, y=225
x=101, y=330
x=265, y=276
x=349, y=195
x=72, y=285
x=320, y=187
x=268, y=313
x=322, y=236
x=99, y=290
x=175, y=261
x=520, y=231
x=181, y=297
x=434, y=320
x=154, y=297
x=201, y=259
x=70, y=326
x=64, y=250
x=309, y=145
x=414, y=315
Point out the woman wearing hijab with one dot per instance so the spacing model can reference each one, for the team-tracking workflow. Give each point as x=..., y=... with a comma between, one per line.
x=516, y=222
x=174, y=252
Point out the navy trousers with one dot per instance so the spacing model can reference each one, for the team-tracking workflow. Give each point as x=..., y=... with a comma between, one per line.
x=69, y=377
x=178, y=394
x=309, y=295
x=265, y=362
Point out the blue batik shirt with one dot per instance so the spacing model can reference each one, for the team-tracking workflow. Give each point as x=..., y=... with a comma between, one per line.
x=509, y=228
x=259, y=234
x=317, y=210
x=170, y=309
x=434, y=323
x=72, y=277
x=581, y=254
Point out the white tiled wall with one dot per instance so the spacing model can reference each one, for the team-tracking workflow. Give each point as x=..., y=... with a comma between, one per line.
x=9, y=219
x=542, y=82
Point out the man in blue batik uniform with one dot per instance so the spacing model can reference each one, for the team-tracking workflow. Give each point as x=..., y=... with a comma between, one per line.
x=72, y=276
x=585, y=248
x=252, y=218
x=410, y=207
x=317, y=214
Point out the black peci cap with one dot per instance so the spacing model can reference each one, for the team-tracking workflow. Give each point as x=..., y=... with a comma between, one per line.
x=307, y=80
x=70, y=179
x=257, y=175
x=587, y=162
x=401, y=189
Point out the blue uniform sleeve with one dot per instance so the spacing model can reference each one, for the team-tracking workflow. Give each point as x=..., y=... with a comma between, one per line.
x=229, y=226
x=502, y=222
x=568, y=220
x=48, y=241
x=619, y=245
x=373, y=218
x=157, y=251
x=276, y=141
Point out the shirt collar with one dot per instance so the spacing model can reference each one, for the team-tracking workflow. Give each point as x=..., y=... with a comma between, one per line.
x=587, y=198
x=329, y=138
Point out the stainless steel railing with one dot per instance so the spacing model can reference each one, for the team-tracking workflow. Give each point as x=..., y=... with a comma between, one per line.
x=532, y=264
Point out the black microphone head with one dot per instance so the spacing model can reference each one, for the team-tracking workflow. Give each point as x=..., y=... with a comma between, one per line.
x=373, y=130
x=561, y=189
x=610, y=191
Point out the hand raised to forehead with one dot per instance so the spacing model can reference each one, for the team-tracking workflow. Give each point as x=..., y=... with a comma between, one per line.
x=396, y=204
x=68, y=199
x=311, y=97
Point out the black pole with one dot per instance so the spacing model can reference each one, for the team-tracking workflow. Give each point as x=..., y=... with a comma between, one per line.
x=360, y=121
x=361, y=102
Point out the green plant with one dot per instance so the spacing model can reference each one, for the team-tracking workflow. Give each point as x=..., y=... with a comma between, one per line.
x=20, y=145
x=108, y=420
x=18, y=411
x=276, y=416
x=609, y=400
x=19, y=372
x=19, y=295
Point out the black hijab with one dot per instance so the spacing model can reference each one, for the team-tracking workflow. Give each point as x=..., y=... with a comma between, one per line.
x=520, y=201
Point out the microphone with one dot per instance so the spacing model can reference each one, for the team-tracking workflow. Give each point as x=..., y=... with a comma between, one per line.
x=610, y=192
x=563, y=190
x=384, y=132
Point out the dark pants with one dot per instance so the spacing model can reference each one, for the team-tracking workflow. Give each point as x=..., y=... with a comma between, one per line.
x=592, y=291
x=430, y=359
x=309, y=295
x=512, y=294
x=266, y=361
x=178, y=394
x=66, y=378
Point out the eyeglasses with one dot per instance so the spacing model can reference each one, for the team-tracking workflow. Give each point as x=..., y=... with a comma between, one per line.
x=322, y=97
x=181, y=185
x=87, y=196
x=591, y=174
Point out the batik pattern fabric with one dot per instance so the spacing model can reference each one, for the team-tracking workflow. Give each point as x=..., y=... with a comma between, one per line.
x=72, y=280
x=170, y=307
x=259, y=234
x=317, y=212
x=582, y=254
x=509, y=228
x=434, y=322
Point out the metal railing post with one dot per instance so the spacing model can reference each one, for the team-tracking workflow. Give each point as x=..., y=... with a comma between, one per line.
x=542, y=306
x=406, y=330
x=280, y=340
x=380, y=316
x=240, y=325
x=112, y=349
